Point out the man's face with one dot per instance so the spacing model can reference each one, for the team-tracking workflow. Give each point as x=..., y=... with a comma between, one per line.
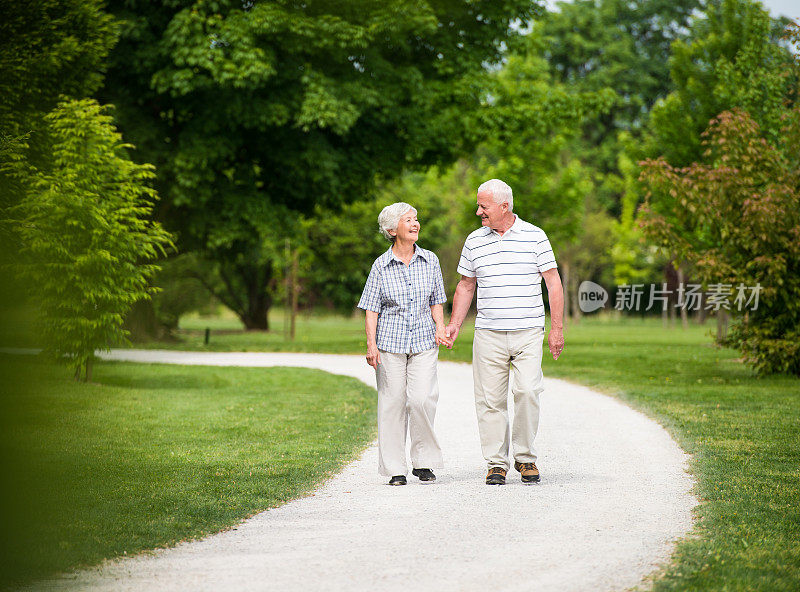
x=491, y=213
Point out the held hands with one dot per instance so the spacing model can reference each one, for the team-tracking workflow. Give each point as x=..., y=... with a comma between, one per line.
x=450, y=334
x=556, y=342
x=441, y=336
x=373, y=355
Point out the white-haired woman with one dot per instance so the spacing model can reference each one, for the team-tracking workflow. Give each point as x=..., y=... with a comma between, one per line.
x=403, y=300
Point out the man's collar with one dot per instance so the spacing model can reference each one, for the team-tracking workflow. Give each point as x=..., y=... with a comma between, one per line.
x=515, y=227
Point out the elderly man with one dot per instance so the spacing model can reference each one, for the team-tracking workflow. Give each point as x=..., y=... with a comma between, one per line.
x=506, y=259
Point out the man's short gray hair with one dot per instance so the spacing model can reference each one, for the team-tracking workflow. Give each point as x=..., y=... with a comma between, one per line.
x=500, y=191
x=390, y=217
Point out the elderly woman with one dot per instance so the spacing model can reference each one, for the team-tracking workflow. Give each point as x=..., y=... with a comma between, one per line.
x=403, y=300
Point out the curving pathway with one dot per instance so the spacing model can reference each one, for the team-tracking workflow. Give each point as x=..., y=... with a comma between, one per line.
x=614, y=497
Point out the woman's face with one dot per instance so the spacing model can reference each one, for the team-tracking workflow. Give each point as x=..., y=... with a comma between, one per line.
x=407, y=227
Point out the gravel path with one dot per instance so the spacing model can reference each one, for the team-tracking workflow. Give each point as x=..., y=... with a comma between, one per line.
x=613, y=498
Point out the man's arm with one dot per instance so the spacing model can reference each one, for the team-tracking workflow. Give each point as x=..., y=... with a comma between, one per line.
x=555, y=295
x=465, y=290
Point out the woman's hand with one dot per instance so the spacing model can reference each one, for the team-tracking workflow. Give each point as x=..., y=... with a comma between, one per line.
x=373, y=355
x=441, y=336
x=371, y=327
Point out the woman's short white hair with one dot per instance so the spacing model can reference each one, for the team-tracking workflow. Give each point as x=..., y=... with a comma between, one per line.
x=500, y=191
x=390, y=217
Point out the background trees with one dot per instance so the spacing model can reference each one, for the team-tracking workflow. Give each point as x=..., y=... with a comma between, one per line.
x=275, y=123
x=737, y=219
x=735, y=215
x=255, y=113
x=76, y=225
x=732, y=58
x=87, y=236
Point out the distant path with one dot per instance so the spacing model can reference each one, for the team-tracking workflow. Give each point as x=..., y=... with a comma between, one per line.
x=614, y=496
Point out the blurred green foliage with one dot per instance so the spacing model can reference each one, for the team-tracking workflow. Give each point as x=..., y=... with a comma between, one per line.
x=87, y=238
x=737, y=219
x=76, y=223
x=257, y=113
x=590, y=45
x=732, y=58
x=733, y=212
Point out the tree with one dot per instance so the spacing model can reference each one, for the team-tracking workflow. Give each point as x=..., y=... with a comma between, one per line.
x=246, y=108
x=732, y=58
x=531, y=118
x=590, y=45
x=87, y=238
x=48, y=49
x=737, y=219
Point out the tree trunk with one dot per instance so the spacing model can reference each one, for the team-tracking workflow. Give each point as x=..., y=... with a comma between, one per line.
x=258, y=302
x=722, y=324
x=702, y=314
x=244, y=288
x=684, y=312
x=287, y=274
x=143, y=324
x=565, y=283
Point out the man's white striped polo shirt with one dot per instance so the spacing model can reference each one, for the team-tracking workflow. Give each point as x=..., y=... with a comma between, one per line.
x=509, y=271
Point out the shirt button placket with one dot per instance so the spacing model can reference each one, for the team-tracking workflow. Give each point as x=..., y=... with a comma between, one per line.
x=411, y=299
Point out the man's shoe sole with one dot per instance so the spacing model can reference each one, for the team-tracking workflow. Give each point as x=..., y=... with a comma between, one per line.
x=500, y=481
x=534, y=479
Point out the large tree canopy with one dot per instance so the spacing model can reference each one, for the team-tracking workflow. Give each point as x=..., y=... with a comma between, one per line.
x=49, y=48
x=733, y=58
x=622, y=44
x=253, y=110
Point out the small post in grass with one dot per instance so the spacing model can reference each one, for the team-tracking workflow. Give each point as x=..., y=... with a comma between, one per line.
x=287, y=256
x=208, y=335
x=295, y=290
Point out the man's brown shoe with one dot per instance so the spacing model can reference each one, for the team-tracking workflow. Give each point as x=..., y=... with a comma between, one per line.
x=496, y=476
x=530, y=474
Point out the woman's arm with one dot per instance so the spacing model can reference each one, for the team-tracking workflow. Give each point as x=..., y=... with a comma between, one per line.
x=437, y=311
x=371, y=327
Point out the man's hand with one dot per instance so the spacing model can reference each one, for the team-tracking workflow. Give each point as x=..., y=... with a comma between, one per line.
x=373, y=356
x=556, y=342
x=450, y=333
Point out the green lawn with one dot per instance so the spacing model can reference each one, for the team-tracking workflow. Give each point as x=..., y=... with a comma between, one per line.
x=148, y=455
x=743, y=430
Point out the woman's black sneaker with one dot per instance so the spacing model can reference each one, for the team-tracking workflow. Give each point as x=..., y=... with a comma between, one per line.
x=425, y=475
x=398, y=480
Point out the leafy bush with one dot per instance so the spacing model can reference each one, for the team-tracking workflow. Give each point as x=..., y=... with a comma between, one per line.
x=738, y=220
x=86, y=235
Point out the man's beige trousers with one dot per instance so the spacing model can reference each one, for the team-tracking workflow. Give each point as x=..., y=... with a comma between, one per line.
x=496, y=357
x=408, y=390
